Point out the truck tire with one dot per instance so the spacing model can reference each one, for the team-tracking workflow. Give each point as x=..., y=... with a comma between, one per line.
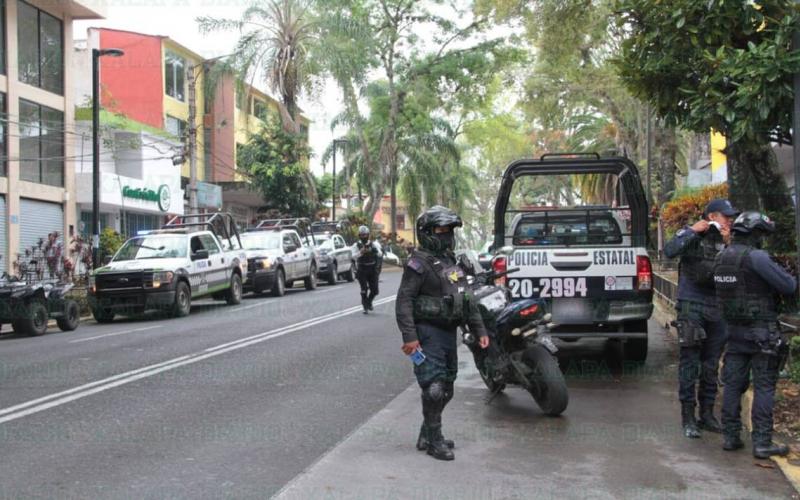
x=71, y=318
x=34, y=322
x=102, y=315
x=183, y=300
x=279, y=287
x=234, y=294
x=635, y=349
x=333, y=274
x=310, y=281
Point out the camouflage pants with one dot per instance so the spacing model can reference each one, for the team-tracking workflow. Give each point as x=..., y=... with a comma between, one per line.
x=441, y=358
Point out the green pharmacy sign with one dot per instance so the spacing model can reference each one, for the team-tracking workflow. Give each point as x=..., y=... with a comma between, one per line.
x=162, y=195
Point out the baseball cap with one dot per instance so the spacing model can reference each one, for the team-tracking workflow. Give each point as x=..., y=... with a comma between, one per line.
x=722, y=206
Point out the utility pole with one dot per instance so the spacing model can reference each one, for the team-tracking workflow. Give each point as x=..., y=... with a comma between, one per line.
x=192, y=129
x=796, y=144
x=333, y=189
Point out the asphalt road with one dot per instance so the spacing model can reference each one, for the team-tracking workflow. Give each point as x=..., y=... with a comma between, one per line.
x=237, y=402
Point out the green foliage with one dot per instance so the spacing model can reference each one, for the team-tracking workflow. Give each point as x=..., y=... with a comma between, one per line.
x=715, y=64
x=687, y=207
x=794, y=366
x=110, y=241
x=274, y=161
x=324, y=188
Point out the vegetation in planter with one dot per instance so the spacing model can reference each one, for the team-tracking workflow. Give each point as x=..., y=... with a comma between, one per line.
x=687, y=206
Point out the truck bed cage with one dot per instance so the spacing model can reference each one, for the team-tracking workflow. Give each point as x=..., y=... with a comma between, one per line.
x=340, y=227
x=221, y=224
x=300, y=224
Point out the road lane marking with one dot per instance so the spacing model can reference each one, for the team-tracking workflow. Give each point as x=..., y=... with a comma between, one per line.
x=53, y=400
x=113, y=334
x=259, y=304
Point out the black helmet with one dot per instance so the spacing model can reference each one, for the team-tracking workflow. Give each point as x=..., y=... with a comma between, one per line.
x=436, y=216
x=751, y=221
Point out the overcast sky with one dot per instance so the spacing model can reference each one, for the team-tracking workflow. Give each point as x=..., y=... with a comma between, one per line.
x=176, y=19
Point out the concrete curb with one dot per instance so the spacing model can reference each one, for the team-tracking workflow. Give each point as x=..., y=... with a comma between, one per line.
x=663, y=313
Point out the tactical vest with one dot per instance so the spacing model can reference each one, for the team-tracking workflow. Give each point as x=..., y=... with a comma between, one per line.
x=744, y=297
x=451, y=304
x=368, y=259
x=698, y=264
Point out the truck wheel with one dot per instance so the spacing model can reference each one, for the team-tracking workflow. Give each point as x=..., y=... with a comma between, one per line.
x=350, y=275
x=333, y=275
x=102, y=315
x=183, y=300
x=35, y=321
x=279, y=287
x=71, y=318
x=234, y=295
x=635, y=349
x=311, y=281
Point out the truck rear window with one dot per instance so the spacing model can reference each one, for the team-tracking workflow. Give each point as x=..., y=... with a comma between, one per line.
x=553, y=229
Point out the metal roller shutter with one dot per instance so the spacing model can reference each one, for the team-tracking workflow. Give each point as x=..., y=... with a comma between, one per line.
x=37, y=219
x=3, y=233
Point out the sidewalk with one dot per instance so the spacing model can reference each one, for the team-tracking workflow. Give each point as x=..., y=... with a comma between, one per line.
x=619, y=438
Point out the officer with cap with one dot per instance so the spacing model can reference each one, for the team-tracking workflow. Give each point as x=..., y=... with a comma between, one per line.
x=369, y=255
x=747, y=283
x=701, y=331
x=431, y=303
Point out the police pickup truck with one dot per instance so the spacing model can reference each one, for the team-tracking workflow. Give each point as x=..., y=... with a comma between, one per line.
x=576, y=227
x=192, y=256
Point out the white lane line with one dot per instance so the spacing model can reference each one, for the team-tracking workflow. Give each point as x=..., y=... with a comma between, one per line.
x=331, y=289
x=259, y=304
x=113, y=334
x=44, y=403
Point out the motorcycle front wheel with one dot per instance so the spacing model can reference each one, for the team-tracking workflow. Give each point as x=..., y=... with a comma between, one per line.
x=548, y=386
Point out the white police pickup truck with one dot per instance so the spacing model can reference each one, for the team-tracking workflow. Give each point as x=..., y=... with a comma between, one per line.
x=192, y=256
x=576, y=227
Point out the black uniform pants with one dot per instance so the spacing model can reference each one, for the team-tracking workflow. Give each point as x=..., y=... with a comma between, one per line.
x=440, y=346
x=698, y=365
x=368, y=280
x=736, y=374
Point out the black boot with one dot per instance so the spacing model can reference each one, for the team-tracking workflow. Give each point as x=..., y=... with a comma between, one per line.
x=770, y=449
x=708, y=422
x=364, y=303
x=689, y=423
x=422, y=441
x=369, y=304
x=732, y=443
x=432, y=405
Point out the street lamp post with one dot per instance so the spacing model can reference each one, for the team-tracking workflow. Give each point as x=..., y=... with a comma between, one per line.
x=96, y=55
x=796, y=146
x=336, y=142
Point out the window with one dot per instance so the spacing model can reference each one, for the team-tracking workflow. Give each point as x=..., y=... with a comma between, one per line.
x=175, y=76
x=552, y=228
x=296, y=241
x=86, y=223
x=175, y=126
x=133, y=223
x=260, y=109
x=41, y=144
x=209, y=243
x=401, y=222
x=3, y=135
x=41, y=48
x=338, y=242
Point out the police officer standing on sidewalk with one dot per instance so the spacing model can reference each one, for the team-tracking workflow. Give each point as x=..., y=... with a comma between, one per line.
x=368, y=272
x=701, y=331
x=747, y=282
x=431, y=303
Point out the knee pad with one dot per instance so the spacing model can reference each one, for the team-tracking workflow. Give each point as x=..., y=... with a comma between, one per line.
x=435, y=392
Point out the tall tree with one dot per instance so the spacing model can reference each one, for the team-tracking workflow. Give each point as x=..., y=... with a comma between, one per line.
x=719, y=65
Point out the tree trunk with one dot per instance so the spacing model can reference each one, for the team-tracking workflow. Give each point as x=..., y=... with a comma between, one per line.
x=393, y=200
x=667, y=152
x=754, y=180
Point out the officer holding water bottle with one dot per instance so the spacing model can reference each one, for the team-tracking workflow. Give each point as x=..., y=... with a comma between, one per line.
x=432, y=303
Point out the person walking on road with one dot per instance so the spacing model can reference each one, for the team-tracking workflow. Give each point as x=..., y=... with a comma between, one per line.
x=747, y=282
x=368, y=274
x=431, y=303
x=701, y=331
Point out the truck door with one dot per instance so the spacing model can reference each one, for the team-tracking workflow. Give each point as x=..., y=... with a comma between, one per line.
x=219, y=273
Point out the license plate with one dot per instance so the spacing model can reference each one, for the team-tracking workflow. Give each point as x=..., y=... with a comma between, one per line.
x=571, y=311
x=494, y=301
x=526, y=288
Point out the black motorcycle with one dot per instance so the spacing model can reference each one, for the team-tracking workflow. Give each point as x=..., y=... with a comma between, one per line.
x=520, y=351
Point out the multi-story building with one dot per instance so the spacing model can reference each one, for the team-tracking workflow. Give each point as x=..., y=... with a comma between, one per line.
x=37, y=181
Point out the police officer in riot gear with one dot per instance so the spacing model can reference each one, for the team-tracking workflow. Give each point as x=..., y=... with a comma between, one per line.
x=747, y=282
x=431, y=303
x=369, y=255
x=701, y=331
